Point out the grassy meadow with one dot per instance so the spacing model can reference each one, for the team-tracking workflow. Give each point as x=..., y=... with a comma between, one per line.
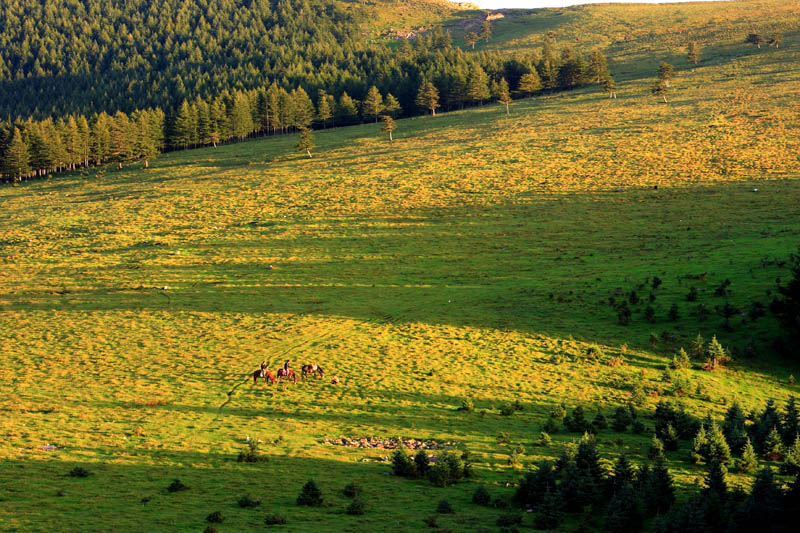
x=472, y=258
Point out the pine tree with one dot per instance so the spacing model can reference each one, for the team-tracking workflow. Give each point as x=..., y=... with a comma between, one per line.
x=733, y=427
x=310, y=495
x=660, y=88
x=773, y=446
x=530, y=82
x=610, y=86
x=486, y=30
x=121, y=138
x=665, y=72
x=503, y=95
x=16, y=161
x=182, y=126
x=749, y=462
x=346, y=109
x=658, y=492
x=306, y=141
x=550, y=513
x=715, y=480
x=700, y=446
x=373, y=103
x=391, y=106
x=693, y=53
x=718, y=449
x=697, y=349
x=588, y=459
x=303, y=109
x=716, y=354
x=388, y=126
x=656, y=448
x=621, y=420
x=324, y=111
x=790, y=423
x=471, y=38
x=478, y=84
x=791, y=461
x=428, y=96
x=623, y=514
x=623, y=473
x=598, y=67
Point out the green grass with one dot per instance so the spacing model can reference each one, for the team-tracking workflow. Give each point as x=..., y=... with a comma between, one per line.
x=420, y=273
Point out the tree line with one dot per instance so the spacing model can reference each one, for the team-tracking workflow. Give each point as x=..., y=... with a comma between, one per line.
x=436, y=75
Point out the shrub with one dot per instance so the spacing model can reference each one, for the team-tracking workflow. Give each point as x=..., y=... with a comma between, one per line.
x=638, y=395
x=448, y=469
x=559, y=411
x=692, y=295
x=653, y=340
x=637, y=427
x=310, y=495
x=633, y=298
x=681, y=385
x=275, y=520
x=544, y=439
x=621, y=420
x=509, y=519
x=650, y=314
x=79, y=471
x=444, y=507
x=507, y=410
x=176, y=486
x=595, y=353
x=402, y=465
x=576, y=422
x=247, y=502
x=656, y=448
x=550, y=426
x=210, y=529
x=251, y=454
x=599, y=423
x=215, y=518
x=352, y=490
x=680, y=360
x=356, y=507
x=467, y=405
x=481, y=496
x=421, y=463
x=431, y=521
x=624, y=314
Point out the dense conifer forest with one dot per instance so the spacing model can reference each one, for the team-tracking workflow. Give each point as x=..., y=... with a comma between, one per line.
x=175, y=76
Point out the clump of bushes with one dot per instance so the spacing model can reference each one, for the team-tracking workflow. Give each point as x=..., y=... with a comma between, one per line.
x=448, y=469
x=444, y=507
x=210, y=529
x=79, y=471
x=177, y=486
x=481, y=496
x=251, y=454
x=310, y=495
x=275, y=520
x=246, y=502
x=467, y=405
x=356, y=507
x=215, y=518
x=509, y=519
x=352, y=490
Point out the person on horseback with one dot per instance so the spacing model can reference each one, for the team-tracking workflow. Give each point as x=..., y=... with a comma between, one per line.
x=263, y=368
x=286, y=367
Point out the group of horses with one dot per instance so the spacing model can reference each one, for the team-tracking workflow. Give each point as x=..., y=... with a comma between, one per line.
x=287, y=374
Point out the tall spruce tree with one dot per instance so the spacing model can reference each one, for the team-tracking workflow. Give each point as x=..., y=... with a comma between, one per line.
x=373, y=103
x=428, y=96
x=16, y=161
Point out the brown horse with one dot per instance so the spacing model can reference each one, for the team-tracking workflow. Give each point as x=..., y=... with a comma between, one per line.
x=263, y=373
x=288, y=374
x=314, y=369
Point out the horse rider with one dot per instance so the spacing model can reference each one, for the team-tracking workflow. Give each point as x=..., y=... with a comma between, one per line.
x=286, y=367
x=263, y=368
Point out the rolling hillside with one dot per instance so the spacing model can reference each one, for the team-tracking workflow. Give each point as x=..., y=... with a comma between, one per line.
x=479, y=258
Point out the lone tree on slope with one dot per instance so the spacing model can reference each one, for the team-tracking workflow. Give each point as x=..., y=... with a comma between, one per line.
x=665, y=72
x=693, y=53
x=471, y=38
x=503, y=96
x=388, y=126
x=610, y=86
x=428, y=96
x=486, y=30
x=306, y=142
x=660, y=88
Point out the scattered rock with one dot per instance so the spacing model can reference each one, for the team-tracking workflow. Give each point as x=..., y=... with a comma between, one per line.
x=48, y=448
x=388, y=444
